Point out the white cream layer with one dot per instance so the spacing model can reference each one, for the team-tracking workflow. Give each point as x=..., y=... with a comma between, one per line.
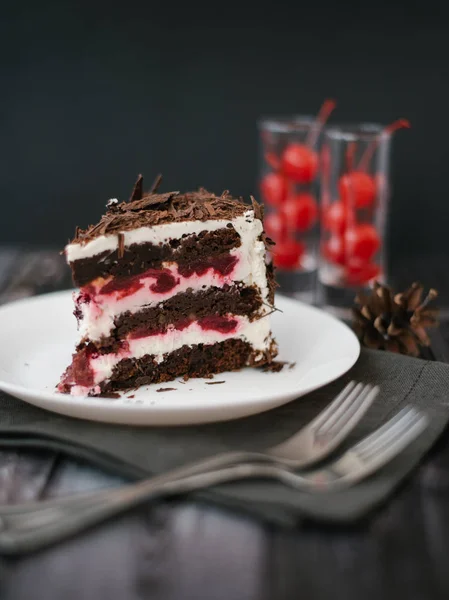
x=257, y=333
x=98, y=315
x=160, y=234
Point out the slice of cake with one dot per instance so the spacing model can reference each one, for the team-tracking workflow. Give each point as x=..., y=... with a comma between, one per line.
x=170, y=285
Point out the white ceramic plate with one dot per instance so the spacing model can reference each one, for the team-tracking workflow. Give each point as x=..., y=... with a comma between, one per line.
x=39, y=335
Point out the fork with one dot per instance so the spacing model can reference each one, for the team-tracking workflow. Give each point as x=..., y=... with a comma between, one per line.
x=25, y=532
x=309, y=445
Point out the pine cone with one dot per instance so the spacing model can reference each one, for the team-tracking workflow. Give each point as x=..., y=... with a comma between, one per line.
x=385, y=321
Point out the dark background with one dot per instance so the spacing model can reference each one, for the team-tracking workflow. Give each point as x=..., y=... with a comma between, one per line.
x=94, y=93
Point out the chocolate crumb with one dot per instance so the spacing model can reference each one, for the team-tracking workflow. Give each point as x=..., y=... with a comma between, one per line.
x=112, y=395
x=166, y=390
x=274, y=367
x=121, y=245
x=132, y=396
x=214, y=382
x=292, y=365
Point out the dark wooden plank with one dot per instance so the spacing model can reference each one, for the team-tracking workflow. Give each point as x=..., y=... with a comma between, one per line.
x=120, y=561
x=217, y=555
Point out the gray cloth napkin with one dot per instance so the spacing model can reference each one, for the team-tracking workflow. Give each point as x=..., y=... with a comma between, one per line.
x=140, y=452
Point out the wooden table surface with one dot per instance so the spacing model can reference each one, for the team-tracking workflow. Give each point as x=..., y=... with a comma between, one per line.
x=184, y=550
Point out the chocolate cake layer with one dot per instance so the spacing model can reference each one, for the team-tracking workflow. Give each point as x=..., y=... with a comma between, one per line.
x=196, y=361
x=138, y=258
x=184, y=307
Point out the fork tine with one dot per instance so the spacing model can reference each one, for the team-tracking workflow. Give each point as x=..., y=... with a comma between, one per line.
x=386, y=428
x=406, y=423
x=343, y=409
x=354, y=412
x=333, y=406
x=397, y=444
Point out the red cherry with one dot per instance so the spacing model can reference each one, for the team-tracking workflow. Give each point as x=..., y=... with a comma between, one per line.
x=334, y=250
x=360, y=273
x=336, y=217
x=299, y=163
x=274, y=188
x=362, y=242
x=288, y=254
x=300, y=211
x=357, y=187
x=275, y=226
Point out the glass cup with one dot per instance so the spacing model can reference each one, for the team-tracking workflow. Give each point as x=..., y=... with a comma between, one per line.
x=288, y=183
x=355, y=193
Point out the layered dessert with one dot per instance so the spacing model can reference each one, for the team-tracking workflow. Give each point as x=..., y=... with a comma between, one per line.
x=170, y=285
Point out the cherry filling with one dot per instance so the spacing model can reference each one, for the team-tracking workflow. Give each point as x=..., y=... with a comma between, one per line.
x=217, y=323
x=164, y=281
x=80, y=371
x=84, y=297
x=127, y=286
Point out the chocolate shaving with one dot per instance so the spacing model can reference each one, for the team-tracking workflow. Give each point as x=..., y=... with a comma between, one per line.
x=112, y=395
x=156, y=183
x=132, y=396
x=137, y=192
x=210, y=209
x=214, y=382
x=154, y=209
x=121, y=245
x=150, y=200
x=258, y=209
x=166, y=390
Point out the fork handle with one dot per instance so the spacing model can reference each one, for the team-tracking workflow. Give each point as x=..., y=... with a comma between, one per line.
x=25, y=532
x=214, y=463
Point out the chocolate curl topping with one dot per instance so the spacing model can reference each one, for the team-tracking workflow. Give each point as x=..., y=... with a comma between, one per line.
x=257, y=208
x=137, y=192
x=156, y=183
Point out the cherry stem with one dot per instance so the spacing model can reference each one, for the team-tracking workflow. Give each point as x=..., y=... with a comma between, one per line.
x=349, y=159
x=350, y=153
x=323, y=115
x=371, y=148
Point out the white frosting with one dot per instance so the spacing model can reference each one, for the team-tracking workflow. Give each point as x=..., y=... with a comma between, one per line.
x=157, y=234
x=257, y=333
x=98, y=315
